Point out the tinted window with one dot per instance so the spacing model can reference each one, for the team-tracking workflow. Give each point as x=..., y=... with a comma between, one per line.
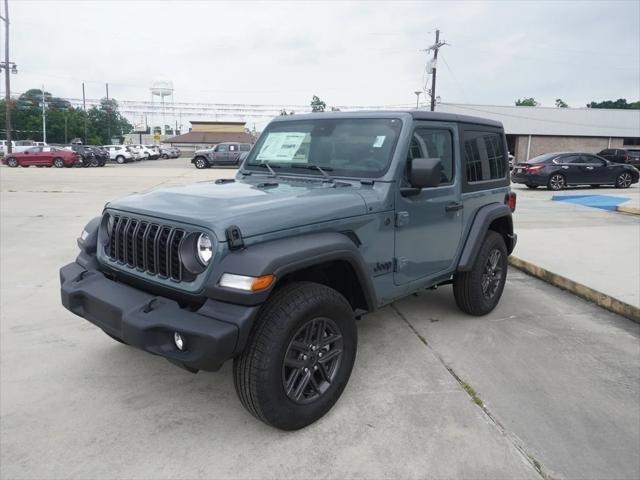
x=429, y=143
x=484, y=156
x=244, y=147
x=593, y=160
x=222, y=148
x=571, y=159
x=543, y=158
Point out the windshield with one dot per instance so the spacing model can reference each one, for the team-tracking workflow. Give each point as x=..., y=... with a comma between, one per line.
x=357, y=147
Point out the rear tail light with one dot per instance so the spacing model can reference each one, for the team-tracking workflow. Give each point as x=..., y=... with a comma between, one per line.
x=535, y=169
x=510, y=201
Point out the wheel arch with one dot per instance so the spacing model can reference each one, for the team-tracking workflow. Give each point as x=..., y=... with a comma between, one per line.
x=332, y=259
x=496, y=217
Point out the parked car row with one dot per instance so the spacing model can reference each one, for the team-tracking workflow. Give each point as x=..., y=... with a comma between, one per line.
x=79, y=155
x=559, y=170
x=226, y=153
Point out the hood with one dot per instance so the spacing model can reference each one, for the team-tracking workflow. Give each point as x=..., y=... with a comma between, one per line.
x=249, y=204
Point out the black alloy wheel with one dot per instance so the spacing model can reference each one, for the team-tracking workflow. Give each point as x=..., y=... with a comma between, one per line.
x=492, y=275
x=312, y=360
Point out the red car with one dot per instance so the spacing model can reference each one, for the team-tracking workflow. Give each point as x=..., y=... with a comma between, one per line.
x=42, y=157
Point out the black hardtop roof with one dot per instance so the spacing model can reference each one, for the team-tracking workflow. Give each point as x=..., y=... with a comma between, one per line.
x=415, y=114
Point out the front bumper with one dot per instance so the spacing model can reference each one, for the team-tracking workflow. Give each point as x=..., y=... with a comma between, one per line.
x=214, y=333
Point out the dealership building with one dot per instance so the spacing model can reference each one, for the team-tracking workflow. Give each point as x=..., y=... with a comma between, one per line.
x=533, y=131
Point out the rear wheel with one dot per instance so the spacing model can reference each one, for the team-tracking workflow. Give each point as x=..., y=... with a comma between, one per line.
x=478, y=291
x=165, y=156
x=12, y=162
x=201, y=163
x=299, y=356
x=556, y=182
x=58, y=162
x=624, y=180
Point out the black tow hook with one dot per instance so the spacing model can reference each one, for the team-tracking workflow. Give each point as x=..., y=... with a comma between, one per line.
x=150, y=305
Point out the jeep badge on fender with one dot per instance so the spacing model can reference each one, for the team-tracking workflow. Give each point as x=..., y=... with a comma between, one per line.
x=330, y=216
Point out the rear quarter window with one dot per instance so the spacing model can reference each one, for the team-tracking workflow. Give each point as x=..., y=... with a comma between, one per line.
x=484, y=156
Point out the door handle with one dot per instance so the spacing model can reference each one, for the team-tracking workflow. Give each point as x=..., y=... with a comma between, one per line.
x=453, y=207
x=589, y=168
x=565, y=167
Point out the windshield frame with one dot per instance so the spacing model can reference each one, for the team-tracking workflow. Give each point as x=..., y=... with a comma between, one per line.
x=284, y=168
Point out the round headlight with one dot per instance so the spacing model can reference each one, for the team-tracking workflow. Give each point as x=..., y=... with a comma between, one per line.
x=204, y=247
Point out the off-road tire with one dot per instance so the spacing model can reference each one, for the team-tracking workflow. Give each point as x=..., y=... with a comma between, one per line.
x=467, y=286
x=120, y=160
x=201, y=163
x=58, y=162
x=258, y=372
x=12, y=162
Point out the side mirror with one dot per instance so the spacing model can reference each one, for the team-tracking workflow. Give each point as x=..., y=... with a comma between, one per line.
x=423, y=173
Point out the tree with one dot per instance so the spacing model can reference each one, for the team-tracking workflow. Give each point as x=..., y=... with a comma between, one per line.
x=621, y=103
x=317, y=105
x=63, y=121
x=561, y=103
x=527, y=102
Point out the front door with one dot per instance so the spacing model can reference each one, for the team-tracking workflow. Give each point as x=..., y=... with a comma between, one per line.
x=221, y=154
x=596, y=170
x=429, y=224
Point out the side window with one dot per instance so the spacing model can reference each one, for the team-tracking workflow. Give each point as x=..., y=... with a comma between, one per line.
x=245, y=147
x=573, y=159
x=222, y=148
x=431, y=143
x=484, y=156
x=233, y=148
x=593, y=160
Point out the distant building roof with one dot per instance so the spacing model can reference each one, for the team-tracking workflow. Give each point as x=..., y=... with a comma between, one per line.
x=573, y=122
x=207, y=122
x=211, y=137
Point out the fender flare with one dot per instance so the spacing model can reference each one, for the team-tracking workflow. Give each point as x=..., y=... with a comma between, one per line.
x=284, y=256
x=483, y=218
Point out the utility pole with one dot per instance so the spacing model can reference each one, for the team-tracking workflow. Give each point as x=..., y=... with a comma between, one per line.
x=44, y=118
x=7, y=81
x=84, y=107
x=108, y=115
x=435, y=47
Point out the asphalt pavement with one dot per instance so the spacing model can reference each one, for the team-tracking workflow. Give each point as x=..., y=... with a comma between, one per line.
x=546, y=386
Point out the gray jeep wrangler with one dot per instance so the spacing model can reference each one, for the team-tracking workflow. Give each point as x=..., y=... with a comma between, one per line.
x=331, y=216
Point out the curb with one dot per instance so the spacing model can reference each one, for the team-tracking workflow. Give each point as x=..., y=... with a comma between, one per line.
x=628, y=209
x=601, y=299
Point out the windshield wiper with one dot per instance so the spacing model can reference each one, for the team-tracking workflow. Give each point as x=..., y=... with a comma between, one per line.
x=313, y=166
x=266, y=165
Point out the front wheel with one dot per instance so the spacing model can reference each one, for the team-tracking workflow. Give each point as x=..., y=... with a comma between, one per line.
x=58, y=163
x=299, y=356
x=624, y=180
x=556, y=182
x=478, y=291
x=201, y=163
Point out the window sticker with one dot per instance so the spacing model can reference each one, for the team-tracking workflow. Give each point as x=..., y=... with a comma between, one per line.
x=281, y=146
x=379, y=141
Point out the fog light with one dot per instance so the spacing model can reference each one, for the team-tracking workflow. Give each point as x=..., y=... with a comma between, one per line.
x=179, y=341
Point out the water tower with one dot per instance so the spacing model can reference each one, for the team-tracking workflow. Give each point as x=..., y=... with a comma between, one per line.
x=164, y=90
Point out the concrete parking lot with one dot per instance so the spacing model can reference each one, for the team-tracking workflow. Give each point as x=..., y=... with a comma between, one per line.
x=546, y=386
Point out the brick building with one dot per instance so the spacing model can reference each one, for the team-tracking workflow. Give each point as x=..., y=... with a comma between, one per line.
x=207, y=134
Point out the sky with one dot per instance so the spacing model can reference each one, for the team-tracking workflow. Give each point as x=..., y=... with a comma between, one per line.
x=347, y=53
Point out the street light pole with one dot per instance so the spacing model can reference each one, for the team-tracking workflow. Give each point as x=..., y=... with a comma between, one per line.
x=44, y=118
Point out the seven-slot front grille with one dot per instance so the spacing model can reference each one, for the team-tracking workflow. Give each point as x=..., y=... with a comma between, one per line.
x=147, y=246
